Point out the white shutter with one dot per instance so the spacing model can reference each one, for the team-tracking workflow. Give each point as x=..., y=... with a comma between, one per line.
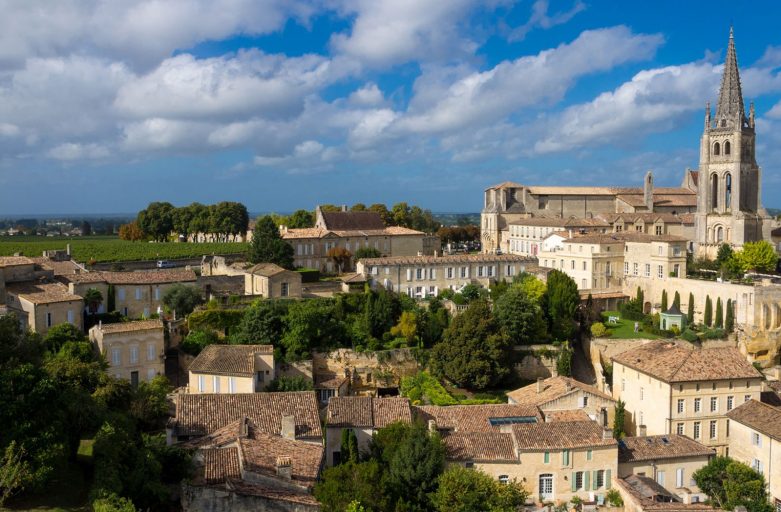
x=467, y=272
x=679, y=477
x=433, y=273
x=409, y=274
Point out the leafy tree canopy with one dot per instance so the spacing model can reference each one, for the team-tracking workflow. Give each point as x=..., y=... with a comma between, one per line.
x=267, y=245
x=182, y=298
x=468, y=490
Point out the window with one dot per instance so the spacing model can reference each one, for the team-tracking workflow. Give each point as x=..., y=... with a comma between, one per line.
x=623, y=384
x=660, y=249
x=756, y=464
x=138, y=293
x=660, y=271
x=756, y=439
x=726, y=430
x=157, y=293
x=216, y=384
x=449, y=273
x=469, y=465
x=697, y=404
x=716, y=149
x=201, y=383
x=681, y=405
x=231, y=384
x=70, y=316
x=730, y=402
x=150, y=374
x=696, y=430
x=490, y=269
x=133, y=355
x=714, y=404
x=626, y=268
x=599, y=479
x=418, y=273
x=634, y=268
x=48, y=319
x=679, y=477
x=572, y=264
x=659, y=230
x=647, y=270
x=578, y=483
x=285, y=291
x=713, y=429
x=747, y=398
x=726, y=147
x=504, y=479
x=589, y=454
x=121, y=294
x=565, y=458
x=680, y=429
x=150, y=352
x=642, y=392
x=463, y=271
x=116, y=356
x=660, y=478
x=546, y=458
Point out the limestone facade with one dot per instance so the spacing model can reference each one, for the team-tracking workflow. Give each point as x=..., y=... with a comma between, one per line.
x=135, y=351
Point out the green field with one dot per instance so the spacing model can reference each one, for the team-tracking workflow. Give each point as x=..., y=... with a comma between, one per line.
x=625, y=329
x=108, y=249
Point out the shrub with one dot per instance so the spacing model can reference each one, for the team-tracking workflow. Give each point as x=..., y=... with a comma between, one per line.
x=689, y=336
x=296, y=383
x=632, y=310
x=613, y=497
x=714, y=334
x=197, y=340
x=309, y=275
x=598, y=329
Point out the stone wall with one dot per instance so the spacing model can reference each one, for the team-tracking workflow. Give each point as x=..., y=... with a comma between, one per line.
x=536, y=361
x=219, y=285
x=368, y=370
x=212, y=499
x=296, y=369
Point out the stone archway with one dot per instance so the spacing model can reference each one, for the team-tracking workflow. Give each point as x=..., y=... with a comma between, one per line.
x=647, y=308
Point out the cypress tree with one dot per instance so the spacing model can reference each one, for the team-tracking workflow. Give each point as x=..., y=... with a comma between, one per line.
x=618, y=420
x=664, y=301
x=708, y=316
x=690, y=313
x=677, y=300
x=640, y=297
x=719, y=314
x=729, y=320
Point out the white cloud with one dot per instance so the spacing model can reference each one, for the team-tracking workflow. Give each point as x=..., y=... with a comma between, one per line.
x=165, y=134
x=367, y=96
x=75, y=151
x=8, y=130
x=541, y=18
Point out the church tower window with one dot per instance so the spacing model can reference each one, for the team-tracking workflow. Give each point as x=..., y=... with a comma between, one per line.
x=714, y=191
x=728, y=189
x=726, y=147
x=716, y=149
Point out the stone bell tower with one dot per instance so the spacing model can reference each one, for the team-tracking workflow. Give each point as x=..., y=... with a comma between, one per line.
x=729, y=207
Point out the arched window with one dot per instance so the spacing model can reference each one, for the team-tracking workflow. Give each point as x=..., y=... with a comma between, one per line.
x=719, y=234
x=723, y=123
x=714, y=193
x=716, y=149
x=726, y=147
x=728, y=185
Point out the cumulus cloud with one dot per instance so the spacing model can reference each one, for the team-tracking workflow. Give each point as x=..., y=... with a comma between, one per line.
x=542, y=19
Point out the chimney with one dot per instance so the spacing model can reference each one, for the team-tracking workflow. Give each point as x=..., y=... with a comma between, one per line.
x=568, y=385
x=570, y=233
x=648, y=191
x=288, y=427
x=432, y=426
x=641, y=430
x=607, y=433
x=539, y=384
x=68, y=249
x=284, y=467
x=344, y=207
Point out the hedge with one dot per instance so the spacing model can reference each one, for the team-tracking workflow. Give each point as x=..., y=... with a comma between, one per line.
x=223, y=320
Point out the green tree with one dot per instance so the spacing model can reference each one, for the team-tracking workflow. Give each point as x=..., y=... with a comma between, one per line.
x=564, y=360
x=349, y=447
x=719, y=323
x=533, y=287
x=367, y=252
x=262, y=324
x=267, y=245
x=387, y=218
x=729, y=484
x=690, y=311
x=112, y=503
x=340, y=257
x=729, y=320
x=14, y=471
x=471, y=292
x=197, y=340
x=520, y=317
x=295, y=383
x=619, y=419
x=400, y=214
x=60, y=334
x=758, y=256
x=93, y=299
x=724, y=255
x=182, y=298
x=301, y=219
x=677, y=300
x=469, y=490
x=664, y=300
x=407, y=327
x=149, y=406
x=156, y=221
x=343, y=484
x=560, y=303
x=708, y=315
x=311, y=324
x=640, y=296
x=473, y=352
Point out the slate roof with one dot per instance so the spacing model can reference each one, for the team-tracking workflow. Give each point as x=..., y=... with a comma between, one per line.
x=671, y=362
x=552, y=389
x=480, y=446
x=573, y=222
x=238, y=360
x=475, y=418
x=40, y=292
x=670, y=446
x=367, y=412
x=303, y=233
x=349, y=221
x=138, y=325
x=560, y=435
x=200, y=414
x=761, y=417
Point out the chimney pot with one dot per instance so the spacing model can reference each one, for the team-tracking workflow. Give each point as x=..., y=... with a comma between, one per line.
x=284, y=467
x=539, y=384
x=432, y=425
x=641, y=430
x=607, y=433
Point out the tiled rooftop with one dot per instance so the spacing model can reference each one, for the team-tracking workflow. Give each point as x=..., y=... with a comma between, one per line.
x=238, y=360
x=761, y=417
x=671, y=362
x=669, y=446
x=39, y=292
x=350, y=221
x=560, y=435
x=199, y=414
x=476, y=418
x=480, y=446
x=359, y=411
x=567, y=415
x=12, y=261
x=141, y=277
x=450, y=259
x=608, y=238
x=552, y=389
x=219, y=465
x=138, y=325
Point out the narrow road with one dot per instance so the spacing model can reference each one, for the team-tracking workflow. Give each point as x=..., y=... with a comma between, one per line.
x=581, y=366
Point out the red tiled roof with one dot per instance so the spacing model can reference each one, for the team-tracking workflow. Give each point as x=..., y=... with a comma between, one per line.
x=552, y=389
x=480, y=446
x=229, y=359
x=759, y=416
x=360, y=411
x=669, y=446
x=560, y=435
x=474, y=418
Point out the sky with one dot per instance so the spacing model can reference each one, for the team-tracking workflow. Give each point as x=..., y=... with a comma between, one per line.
x=107, y=105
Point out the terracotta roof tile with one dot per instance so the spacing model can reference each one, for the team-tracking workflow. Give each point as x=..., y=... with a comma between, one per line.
x=39, y=292
x=219, y=465
x=276, y=494
x=560, y=435
x=199, y=414
x=670, y=446
x=261, y=451
x=607, y=238
x=552, y=389
x=480, y=446
x=759, y=416
x=229, y=359
x=141, y=277
x=138, y=325
x=476, y=418
x=671, y=362
x=567, y=415
x=12, y=261
x=367, y=412
x=266, y=269
x=653, y=497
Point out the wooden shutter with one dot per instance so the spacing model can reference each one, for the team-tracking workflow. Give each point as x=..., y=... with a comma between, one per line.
x=586, y=482
x=607, y=479
x=573, y=480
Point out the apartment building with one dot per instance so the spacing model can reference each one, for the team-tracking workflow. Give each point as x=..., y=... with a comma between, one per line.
x=426, y=276
x=669, y=388
x=135, y=351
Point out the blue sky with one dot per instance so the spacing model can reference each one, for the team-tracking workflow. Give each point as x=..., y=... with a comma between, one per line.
x=282, y=104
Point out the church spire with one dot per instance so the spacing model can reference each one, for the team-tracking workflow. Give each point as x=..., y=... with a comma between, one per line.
x=730, y=104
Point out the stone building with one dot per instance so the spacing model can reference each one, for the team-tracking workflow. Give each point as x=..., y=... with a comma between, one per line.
x=135, y=351
x=670, y=388
x=232, y=369
x=755, y=437
x=669, y=459
x=45, y=303
x=566, y=394
x=264, y=279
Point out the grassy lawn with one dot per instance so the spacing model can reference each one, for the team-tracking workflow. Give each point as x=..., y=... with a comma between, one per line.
x=625, y=329
x=109, y=249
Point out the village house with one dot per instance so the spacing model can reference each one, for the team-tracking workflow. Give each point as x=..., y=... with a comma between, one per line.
x=46, y=303
x=673, y=389
x=232, y=369
x=643, y=494
x=755, y=440
x=426, y=276
x=352, y=231
x=668, y=459
x=264, y=279
x=135, y=351
x=566, y=394
x=364, y=416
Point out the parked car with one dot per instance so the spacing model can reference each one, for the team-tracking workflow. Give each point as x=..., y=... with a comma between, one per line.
x=165, y=264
